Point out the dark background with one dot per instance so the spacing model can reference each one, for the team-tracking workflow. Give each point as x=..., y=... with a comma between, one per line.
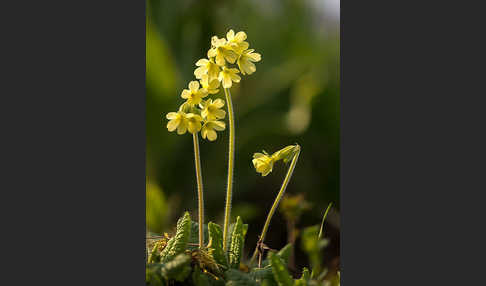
x=293, y=97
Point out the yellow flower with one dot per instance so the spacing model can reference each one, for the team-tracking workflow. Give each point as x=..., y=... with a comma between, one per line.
x=177, y=120
x=286, y=154
x=211, y=109
x=263, y=163
x=194, y=95
x=228, y=75
x=237, y=42
x=210, y=86
x=246, y=59
x=221, y=50
x=209, y=129
x=193, y=123
x=208, y=67
x=183, y=121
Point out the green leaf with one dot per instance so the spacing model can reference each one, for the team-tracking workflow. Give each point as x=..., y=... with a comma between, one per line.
x=230, y=231
x=194, y=238
x=304, y=279
x=284, y=254
x=238, y=278
x=178, y=268
x=280, y=272
x=237, y=242
x=201, y=279
x=153, y=276
x=177, y=244
x=215, y=245
x=261, y=273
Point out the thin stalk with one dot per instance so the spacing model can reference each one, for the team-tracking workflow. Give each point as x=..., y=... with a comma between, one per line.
x=231, y=161
x=276, y=202
x=200, y=193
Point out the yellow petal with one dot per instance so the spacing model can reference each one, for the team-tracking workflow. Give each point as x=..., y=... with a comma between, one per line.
x=202, y=62
x=200, y=72
x=240, y=36
x=218, y=103
x=220, y=59
x=220, y=114
x=194, y=86
x=219, y=125
x=211, y=53
x=171, y=115
x=211, y=134
x=186, y=94
x=230, y=56
x=181, y=129
x=227, y=83
x=235, y=77
x=172, y=125
x=230, y=35
x=256, y=57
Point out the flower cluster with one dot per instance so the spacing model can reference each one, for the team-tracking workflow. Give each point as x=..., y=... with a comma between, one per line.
x=263, y=162
x=198, y=114
x=225, y=51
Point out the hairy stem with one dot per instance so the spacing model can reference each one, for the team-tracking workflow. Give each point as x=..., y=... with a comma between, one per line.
x=200, y=197
x=276, y=203
x=231, y=161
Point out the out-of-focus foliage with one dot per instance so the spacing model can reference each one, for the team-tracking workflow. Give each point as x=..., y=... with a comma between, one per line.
x=293, y=97
x=155, y=208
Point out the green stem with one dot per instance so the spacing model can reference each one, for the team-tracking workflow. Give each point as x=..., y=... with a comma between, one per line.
x=231, y=161
x=277, y=201
x=200, y=197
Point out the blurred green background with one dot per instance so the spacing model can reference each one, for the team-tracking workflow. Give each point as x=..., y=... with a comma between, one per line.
x=293, y=97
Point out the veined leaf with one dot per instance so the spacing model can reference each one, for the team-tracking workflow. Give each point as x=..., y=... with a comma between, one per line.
x=238, y=278
x=280, y=272
x=236, y=246
x=215, y=245
x=177, y=244
x=177, y=268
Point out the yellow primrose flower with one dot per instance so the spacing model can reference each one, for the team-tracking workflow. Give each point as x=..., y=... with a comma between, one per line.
x=237, y=42
x=183, y=121
x=246, y=59
x=210, y=86
x=263, y=163
x=194, y=95
x=177, y=120
x=211, y=109
x=286, y=154
x=193, y=123
x=221, y=50
x=208, y=67
x=209, y=129
x=228, y=75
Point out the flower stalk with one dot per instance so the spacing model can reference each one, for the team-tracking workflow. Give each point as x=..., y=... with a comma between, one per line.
x=276, y=203
x=231, y=161
x=200, y=192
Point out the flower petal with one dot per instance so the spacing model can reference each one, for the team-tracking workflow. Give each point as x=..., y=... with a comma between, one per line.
x=194, y=86
x=218, y=103
x=218, y=125
x=182, y=128
x=211, y=134
x=202, y=62
x=171, y=115
x=186, y=94
x=172, y=125
x=240, y=36
x=230, y=35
